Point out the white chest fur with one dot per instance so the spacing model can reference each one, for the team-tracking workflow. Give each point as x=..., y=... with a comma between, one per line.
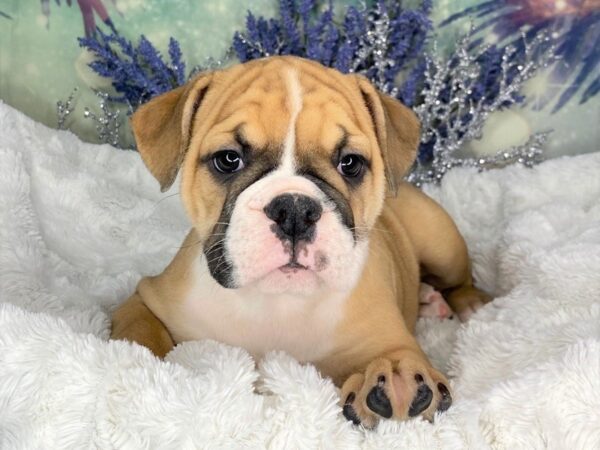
x=303, y=327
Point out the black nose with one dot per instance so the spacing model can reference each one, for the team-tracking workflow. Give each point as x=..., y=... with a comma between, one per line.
x=294, y=216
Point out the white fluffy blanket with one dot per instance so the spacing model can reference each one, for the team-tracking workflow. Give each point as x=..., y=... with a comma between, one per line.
x=80, y=224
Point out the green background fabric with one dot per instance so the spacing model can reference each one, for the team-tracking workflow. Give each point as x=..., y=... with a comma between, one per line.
x=41, y=62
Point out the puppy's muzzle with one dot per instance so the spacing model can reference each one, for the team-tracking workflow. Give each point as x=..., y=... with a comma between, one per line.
x=295, y=217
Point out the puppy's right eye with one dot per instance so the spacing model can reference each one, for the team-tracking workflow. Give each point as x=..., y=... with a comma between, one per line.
x=228, y=161
x=351, y=166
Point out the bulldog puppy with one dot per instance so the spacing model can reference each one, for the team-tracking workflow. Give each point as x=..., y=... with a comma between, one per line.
x=305, y=238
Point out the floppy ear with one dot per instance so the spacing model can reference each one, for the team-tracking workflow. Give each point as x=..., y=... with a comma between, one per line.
x=397, y=129
x=163, y=128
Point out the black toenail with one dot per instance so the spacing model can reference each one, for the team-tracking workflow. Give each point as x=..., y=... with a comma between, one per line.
x=378, y=402
x=350, y=398
x=421, y=401
x=446, y=399
x=443, y=390
x=350, y=414
x=419, y=378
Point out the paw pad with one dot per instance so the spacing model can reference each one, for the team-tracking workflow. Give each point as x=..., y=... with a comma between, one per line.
x=422, y=398
x=378, y=401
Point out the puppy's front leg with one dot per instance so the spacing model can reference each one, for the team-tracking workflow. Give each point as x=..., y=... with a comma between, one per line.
x=400, y=384
x=133, y=321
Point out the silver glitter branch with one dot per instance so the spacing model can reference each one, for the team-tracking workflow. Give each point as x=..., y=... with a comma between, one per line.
x=529, y=154
x=108, y=124
x=449, y=124
x=373, y=47
x=65, y=109
x=210, y=64
x=258, y=47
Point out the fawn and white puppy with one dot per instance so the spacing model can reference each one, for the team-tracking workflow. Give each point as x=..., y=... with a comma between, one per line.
x=305, y=238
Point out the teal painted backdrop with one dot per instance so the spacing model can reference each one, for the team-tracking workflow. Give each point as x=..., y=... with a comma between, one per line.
x=41, y=62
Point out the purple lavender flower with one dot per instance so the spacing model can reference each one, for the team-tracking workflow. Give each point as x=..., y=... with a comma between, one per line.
x=137, y=73
x=177, y=64
x=306, y=28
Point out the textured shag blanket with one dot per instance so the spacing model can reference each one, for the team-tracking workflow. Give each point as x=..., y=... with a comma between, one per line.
x=80, y=224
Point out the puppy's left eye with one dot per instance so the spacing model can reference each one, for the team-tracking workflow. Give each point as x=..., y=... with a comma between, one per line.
x=228, y=161
x=351, y=166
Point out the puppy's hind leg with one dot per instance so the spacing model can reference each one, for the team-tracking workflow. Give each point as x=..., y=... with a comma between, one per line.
x=133, y=321
x=441, y=250
x=448, y=268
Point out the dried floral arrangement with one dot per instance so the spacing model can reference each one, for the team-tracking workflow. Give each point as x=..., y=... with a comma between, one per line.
x=392, y=46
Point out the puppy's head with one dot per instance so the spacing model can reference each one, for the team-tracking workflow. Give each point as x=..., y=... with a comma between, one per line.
x=285, y=166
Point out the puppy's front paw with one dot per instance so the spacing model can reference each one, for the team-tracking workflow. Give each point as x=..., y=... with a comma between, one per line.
x=400, y=386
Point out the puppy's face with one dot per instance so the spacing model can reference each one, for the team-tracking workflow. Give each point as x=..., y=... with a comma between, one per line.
x=284, y=166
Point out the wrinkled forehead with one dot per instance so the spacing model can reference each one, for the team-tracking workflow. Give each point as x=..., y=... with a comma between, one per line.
x=284, y=100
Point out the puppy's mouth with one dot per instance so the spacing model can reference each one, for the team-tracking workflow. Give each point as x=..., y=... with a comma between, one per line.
x=293, y=267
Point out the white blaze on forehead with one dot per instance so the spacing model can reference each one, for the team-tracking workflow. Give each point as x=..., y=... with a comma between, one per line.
x=294, y=101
